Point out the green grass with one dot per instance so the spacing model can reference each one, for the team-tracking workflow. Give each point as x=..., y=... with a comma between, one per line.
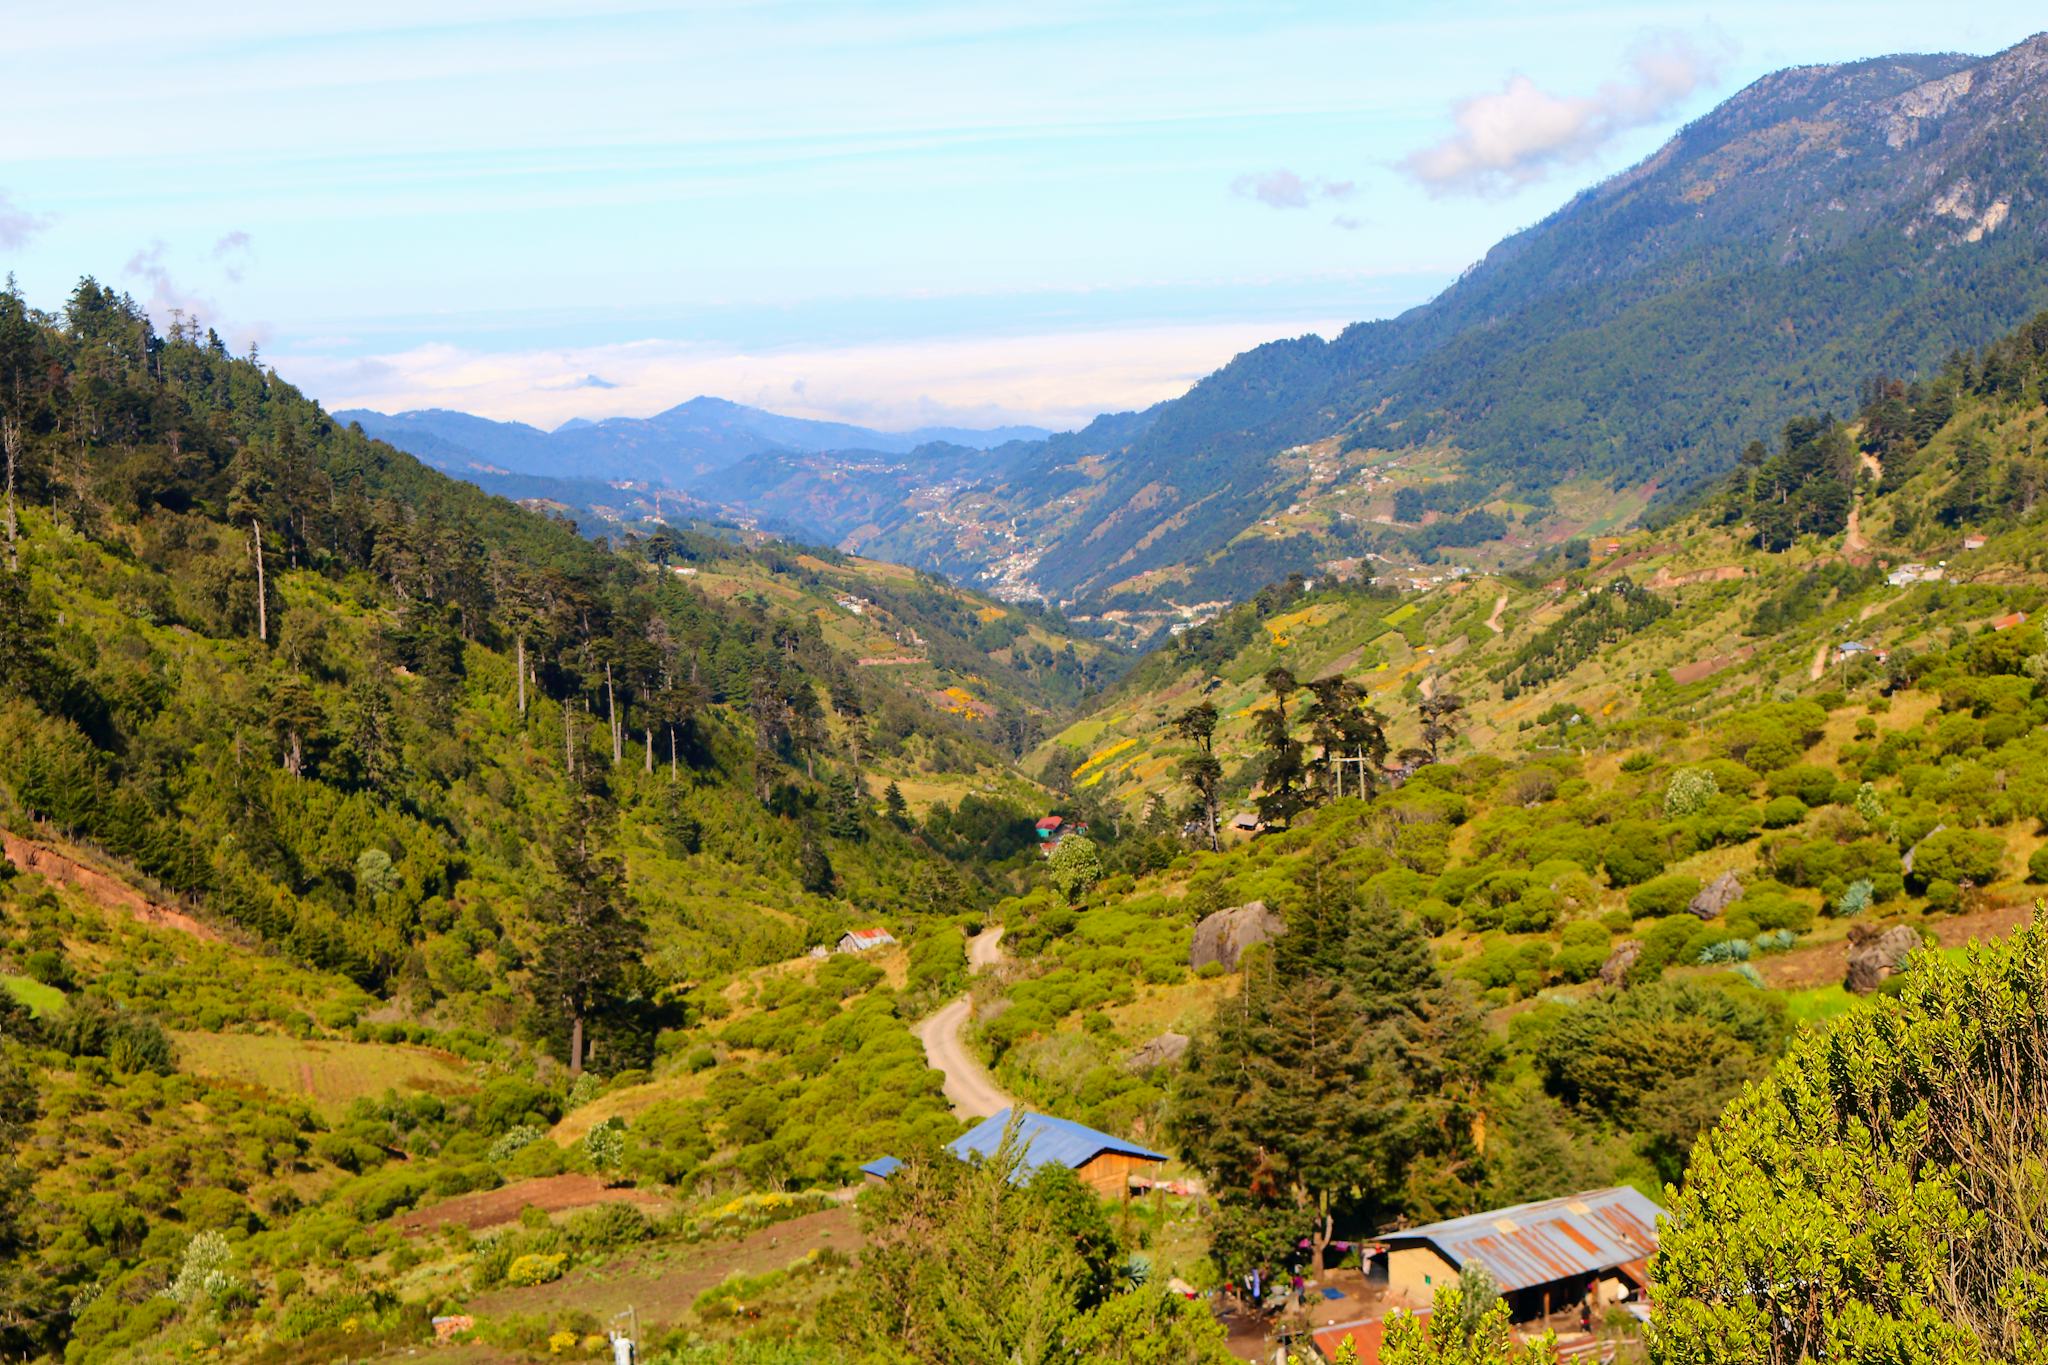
x=331, y=1075
x=41, y=1000
x=1819, y=1004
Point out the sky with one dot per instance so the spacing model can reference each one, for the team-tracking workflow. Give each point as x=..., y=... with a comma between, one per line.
x=882, y=211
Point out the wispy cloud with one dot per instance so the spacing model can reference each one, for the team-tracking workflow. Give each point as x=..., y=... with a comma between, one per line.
x=234, y=251
x=1056, y=379
x=1283, y=189
x=166, y=299
x=1514, y=136
x=17, y=224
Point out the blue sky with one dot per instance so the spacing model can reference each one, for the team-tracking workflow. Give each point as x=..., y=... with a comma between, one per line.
x=888, y=212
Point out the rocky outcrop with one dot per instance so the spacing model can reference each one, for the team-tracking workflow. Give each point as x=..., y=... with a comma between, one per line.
x=1716, y=896
x=1875, y=955
x=1165, y=1050
x=1614, y=970
x=1223, y=936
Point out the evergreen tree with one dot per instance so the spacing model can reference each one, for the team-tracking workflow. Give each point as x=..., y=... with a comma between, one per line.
x=1201, y=771
x=589, y=934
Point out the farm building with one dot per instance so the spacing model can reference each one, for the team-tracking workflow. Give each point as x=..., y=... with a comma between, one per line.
x=1543, y=1256
x=2007, y=622
x=1049, y=827
x=1104, y=1163
x=864, y=940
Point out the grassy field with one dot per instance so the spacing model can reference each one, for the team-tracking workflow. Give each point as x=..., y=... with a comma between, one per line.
x=331, y=1075
x=40, y=999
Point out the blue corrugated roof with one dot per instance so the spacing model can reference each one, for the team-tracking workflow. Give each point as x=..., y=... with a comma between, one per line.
x=882, y=1167
x=1045, y=1140
x=1555, y=1239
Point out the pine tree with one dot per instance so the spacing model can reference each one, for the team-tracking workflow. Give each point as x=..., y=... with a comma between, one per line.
x=589, y=933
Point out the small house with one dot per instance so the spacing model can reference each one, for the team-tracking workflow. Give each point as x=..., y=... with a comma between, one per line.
x=1973, y=542
x=880, y=1169
x=2018, y=618
x=864, y=940
x=1049, y=829
x=1543, y=1255
x=1104, y=1163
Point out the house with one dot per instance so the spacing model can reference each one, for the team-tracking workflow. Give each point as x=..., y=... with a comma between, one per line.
x=1906, y=575
x=880, y=1169
x=1105, y=1164
x=2018, y=618
x=1542, y=1255
x=1049, y=829
x=1366, y=1337
x=1245, y=822
x=1973, y=542
x=864, y=940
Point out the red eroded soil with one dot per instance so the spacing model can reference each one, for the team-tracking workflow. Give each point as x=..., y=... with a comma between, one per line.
x=107, y=890
x=1825, y=964
x=550, y=1194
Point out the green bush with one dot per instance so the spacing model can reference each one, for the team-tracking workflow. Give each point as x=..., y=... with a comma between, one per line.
x=1662, y=896
x=1782, y=811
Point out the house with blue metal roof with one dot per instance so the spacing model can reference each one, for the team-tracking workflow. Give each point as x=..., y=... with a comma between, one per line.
x=1543, y=1255
x=1103, y=1162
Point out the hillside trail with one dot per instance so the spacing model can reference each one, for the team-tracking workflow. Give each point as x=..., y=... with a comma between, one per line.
x=1820, y=662
x=1500, y=604
x=971, y=1091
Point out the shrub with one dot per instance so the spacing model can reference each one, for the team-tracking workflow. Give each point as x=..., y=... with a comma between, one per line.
x=510, y=1143
x=1663, y=896
x=1773, y=941
x=536, y=1267
x=203, y=1274
x=2037, y=865
x=1782, y=811
x=1727, y=950
x=1689, y=791
x=1855, y=898
x=605, y=1146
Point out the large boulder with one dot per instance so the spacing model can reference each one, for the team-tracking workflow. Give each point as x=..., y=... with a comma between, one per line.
x=1165, y=1050
x=1716, y=896
x=1614, y=970
x=1223, y=936
x=1873, y=956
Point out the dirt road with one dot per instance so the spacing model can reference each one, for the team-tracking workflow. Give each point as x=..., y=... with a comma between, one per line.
x=1500, y=605
x=969, y=1088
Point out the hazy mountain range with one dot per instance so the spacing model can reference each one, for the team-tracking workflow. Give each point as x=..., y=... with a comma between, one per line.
x=1823, y=225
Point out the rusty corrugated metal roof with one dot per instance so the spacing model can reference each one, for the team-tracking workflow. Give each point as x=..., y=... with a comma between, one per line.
x=1556, y=1239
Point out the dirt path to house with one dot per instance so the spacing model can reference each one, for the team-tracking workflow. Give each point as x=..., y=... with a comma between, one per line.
x=1500, y=604
x=68, y=869
x=971, y=1091
x=1820, y=662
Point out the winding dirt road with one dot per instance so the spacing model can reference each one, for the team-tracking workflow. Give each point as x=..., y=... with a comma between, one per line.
x=1500, y=605
x=969, y=1088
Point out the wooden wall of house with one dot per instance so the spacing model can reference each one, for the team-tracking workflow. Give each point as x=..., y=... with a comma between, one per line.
x=1109, y=1173
x=1417, y=1271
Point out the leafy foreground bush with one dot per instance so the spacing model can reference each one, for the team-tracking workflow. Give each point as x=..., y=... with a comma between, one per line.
x=1878, y=1197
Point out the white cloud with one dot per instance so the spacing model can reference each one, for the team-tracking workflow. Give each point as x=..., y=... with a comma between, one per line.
x=234, y=251
x=18, y=225
x=167, y=299
x=1511, y=137
x=1283, y=189
x=1058, y=380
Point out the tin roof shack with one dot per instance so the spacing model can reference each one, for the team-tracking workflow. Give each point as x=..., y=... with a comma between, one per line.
x=1543, y=1256
x=864, y=940
x=1105, y=1164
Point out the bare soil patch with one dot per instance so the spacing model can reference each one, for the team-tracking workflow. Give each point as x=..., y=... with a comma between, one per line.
x=662, y=1282
x=550, y=1194
x=102, y=887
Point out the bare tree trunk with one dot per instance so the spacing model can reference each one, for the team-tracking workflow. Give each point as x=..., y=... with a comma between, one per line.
x=576, y=1046
x=671, y=754
x=568, y=744
x=522, y=674
x=262, y=608
x=10, y=439
x=611, y=704
x=295, y=761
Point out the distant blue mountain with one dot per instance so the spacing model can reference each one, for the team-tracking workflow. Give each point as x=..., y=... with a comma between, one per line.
x=670, y=448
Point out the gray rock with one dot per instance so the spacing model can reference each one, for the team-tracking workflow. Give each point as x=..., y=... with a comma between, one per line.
x=1716, y=896
x=1614, y=970
x=1165, y=1050
x=1873, y=956
x=1223, y=936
